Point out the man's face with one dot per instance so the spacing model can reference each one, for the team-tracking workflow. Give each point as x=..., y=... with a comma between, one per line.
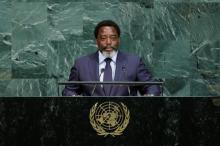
x=107, y=39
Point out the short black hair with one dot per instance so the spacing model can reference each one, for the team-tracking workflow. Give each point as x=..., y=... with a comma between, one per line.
x=106, y=23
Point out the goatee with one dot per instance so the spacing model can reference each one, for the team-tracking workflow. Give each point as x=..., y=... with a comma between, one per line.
x=108, y=54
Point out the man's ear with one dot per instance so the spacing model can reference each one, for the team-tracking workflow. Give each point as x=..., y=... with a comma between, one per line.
x=96, y=41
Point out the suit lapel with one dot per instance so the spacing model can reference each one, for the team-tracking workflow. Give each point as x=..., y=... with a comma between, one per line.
x=93, y=67
x=120, y=66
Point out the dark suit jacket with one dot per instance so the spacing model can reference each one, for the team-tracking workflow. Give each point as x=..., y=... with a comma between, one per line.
x=128, y=68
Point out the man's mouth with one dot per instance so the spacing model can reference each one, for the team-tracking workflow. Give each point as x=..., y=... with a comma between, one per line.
x=109, y=48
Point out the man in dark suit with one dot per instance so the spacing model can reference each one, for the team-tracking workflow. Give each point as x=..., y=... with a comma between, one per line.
x=109, y=64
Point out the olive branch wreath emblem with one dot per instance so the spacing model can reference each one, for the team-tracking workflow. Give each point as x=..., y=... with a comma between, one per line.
x=101, y=131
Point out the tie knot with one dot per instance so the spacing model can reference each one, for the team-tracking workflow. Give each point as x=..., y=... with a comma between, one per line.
x=108, y=60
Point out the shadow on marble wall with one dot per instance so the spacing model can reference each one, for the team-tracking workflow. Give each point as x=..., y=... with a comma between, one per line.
x=178, y=40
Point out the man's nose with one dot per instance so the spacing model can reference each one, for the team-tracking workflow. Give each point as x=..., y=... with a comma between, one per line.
x=108, y=41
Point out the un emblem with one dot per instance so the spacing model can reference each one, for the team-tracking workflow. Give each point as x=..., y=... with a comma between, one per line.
x=109, y=118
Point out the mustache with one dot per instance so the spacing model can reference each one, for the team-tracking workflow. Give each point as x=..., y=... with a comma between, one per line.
x=114, y=48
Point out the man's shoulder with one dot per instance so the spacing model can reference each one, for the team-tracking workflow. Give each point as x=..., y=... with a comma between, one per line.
x=130, y=55
x=86, y=58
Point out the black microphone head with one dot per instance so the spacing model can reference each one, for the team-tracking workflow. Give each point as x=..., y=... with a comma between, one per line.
x=102, y=70
x=123, y=68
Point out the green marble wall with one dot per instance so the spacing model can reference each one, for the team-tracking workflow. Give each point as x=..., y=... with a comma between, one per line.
x=178, y=39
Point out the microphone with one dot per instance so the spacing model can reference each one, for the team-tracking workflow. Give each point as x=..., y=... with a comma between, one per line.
x=126, y=76
x=93, y=90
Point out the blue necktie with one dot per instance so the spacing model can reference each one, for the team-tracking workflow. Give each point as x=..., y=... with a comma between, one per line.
x=107, y=76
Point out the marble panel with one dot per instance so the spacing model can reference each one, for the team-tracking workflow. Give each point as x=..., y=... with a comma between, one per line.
x=65, y=42
x=207, y=59
x=172, y=59
x=52, y=87
x=205, y=87
x=137, y=21
x=142, y=48
x=177, y=87
x=65, y=19
x=204, y=22
x=62, y=55
x=5, y=73
x=205, y=47
x=171, y=21
x=29, y=38
x=94, y=13
x=30, y=62
x=5, y=16
x=26, y=88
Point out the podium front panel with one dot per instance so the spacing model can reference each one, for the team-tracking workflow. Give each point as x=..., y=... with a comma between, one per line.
x=109, y=121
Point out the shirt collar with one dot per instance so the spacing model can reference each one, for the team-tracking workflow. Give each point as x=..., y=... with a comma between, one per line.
x=102, y=57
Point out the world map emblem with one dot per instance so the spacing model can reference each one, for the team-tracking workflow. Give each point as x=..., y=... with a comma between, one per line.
x=109, y=118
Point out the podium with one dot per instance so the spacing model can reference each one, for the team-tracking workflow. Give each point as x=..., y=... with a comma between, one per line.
x=128, y=84
x=153, y=121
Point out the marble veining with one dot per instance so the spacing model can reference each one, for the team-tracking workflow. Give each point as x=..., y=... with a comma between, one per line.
x=178, y=41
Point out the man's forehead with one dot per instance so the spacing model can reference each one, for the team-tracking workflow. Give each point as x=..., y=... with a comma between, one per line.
x=105, y=29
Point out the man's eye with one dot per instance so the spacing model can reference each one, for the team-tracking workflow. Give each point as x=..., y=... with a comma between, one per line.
x=113, y=37
x=110, y=37
x=103, y=38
